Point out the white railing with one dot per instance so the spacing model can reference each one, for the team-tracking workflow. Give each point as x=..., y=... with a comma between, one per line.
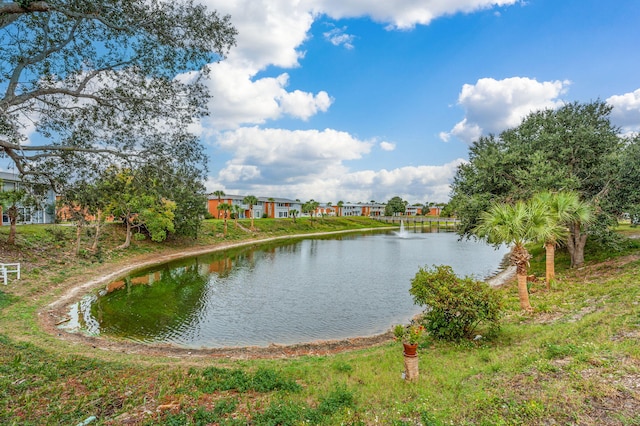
x=6, y=268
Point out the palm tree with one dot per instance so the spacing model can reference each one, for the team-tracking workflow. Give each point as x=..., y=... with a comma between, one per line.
x=236, y=214
x=293, y=213
x=310, y=207
x=251, y=200
x=339, y=210
x=225, y=208
x=219, y=193
x=516, y=224
x=566, y=209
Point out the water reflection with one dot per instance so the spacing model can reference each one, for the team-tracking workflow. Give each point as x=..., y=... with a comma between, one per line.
x=311, y=289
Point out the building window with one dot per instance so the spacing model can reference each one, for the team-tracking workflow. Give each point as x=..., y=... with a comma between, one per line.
x=24, y=213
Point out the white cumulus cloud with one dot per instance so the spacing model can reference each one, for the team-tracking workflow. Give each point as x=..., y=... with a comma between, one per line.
x=387, y=146
x=492, y=106
x=238, y=99
x=270, y=33
x=280, y=154
x=338, y=37
x=414, y=184
x=626, y=111
x=405, y=14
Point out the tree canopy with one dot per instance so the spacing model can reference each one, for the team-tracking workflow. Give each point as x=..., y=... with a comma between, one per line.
x=395, y=205
x=121, y=79
x=626, y=196
x=573, y=148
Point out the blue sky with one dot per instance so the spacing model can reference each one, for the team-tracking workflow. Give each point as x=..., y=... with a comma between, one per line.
x=358, y=100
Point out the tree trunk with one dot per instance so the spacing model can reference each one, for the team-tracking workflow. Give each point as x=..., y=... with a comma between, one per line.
x=96, y=238
x=575, y=245
x=78, y=236
x=523, y=292
x=550, y=262
x=251, y=213
x=127, y=241
x=520, y=258
x=12, y=212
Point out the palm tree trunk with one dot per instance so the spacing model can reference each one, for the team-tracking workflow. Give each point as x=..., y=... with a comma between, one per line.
x=550, y=263
x=520, y=258
x=523, y=292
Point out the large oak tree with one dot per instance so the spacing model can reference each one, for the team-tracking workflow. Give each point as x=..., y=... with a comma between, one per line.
x=573, y=148
x=89, y=83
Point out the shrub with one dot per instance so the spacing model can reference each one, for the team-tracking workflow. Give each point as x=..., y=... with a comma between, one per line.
x=455, y=306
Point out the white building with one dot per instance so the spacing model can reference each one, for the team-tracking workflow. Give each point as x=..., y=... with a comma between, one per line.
x=42, y=213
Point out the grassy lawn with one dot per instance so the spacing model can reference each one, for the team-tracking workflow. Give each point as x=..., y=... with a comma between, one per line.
x=576, y=360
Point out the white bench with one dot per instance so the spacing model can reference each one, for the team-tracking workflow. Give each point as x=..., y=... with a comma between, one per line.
x=5, y=268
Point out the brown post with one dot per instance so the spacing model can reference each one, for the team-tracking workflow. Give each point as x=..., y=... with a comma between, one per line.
x=411, y=370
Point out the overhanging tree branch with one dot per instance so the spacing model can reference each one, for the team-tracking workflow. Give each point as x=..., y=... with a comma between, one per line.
x=99, y=77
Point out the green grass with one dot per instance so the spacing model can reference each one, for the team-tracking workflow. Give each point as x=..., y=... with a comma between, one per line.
x=576, y=360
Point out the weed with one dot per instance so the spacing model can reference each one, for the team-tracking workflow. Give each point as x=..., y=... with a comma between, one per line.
x=281, y=413
x=429, y=420
x=553, y=351
x=263, y=380
x=225, y=406
x=5, y=299
x=340, y=397
x=342, y=367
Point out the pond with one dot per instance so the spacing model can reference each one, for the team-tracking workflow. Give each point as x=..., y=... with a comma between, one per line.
x=289, y=292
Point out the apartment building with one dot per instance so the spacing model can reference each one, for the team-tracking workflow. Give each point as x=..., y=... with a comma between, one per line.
x=44, y=212
x=271, y=207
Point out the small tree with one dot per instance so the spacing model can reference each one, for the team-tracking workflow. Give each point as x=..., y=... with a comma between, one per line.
x=293, y=213
x=310, y=207
x=455, y=306
x=82, y=200
x=225, y=208
x=219, y=193
x=137, y=205
x=237, y=210
x=251, y=200
x=566, y=209
x=10, y=201
x=394, y=206
x=517, y=225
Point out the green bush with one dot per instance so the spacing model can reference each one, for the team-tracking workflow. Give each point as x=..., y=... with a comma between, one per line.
x=455, y=306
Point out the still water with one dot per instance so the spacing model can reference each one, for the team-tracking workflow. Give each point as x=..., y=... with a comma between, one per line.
x=283, y=293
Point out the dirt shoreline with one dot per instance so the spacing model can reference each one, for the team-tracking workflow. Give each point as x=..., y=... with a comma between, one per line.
x=55, y=313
